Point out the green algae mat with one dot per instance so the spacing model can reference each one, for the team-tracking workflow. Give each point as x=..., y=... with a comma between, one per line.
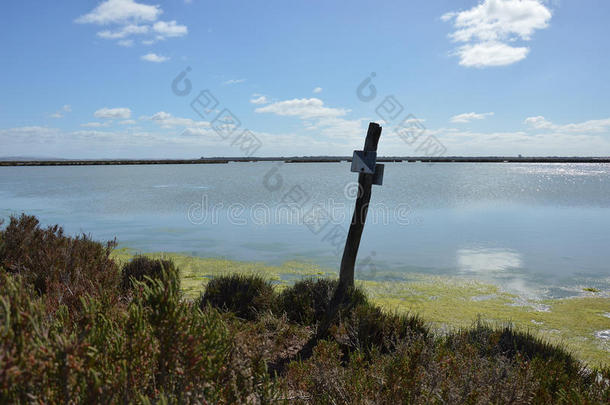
x=581, y=324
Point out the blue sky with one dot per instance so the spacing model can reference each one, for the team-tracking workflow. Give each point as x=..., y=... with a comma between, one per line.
x=93, y=79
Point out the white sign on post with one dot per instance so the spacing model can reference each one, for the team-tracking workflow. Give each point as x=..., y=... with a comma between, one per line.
x=364, y=162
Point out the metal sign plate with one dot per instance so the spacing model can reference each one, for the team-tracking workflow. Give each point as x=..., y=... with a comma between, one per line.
x=364, y=162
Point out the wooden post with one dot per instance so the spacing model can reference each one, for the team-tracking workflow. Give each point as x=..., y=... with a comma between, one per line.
x=365, y=183
x=348, y=261
x=367, y=176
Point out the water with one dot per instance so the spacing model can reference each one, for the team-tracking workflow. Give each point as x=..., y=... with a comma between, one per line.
x=536, y=229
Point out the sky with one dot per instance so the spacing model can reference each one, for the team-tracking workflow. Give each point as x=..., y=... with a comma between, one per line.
x=185, y=79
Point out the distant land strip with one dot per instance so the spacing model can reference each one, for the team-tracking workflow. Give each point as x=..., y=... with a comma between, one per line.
x=308, y=159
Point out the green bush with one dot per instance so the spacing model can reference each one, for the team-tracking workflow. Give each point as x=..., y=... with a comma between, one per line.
x=245, y=295
x=552, y=366
x=141, y=267
x=369, y=328
x=507, y=341
x=306, y=302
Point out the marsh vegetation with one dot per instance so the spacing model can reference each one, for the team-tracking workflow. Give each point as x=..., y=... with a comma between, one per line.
x=82, y=323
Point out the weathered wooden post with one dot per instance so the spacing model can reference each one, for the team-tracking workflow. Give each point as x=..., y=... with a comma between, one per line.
x=369, y=173
x=364, y=162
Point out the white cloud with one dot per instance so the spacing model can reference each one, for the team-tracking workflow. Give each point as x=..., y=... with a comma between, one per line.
x=33, y=132
x=319, y=119
x=467, y=117
x=126, y=43
x=96, y=124
x=198, y=132
x=161, y=115
x=177, y=137
x=120, y=11
x=303, y=108
x=488, y=28
x=113, y=113
x=586, y=127
x=499, y=20
x=234, y=81
x=153, y=57
x=170, y=29
x=166, y=120
x=131, y=18
x=60, y=113
x=127, y=122
x=592, y=126
x=317, y=90
x=538, y=122
x=490, y=54
x=131, y=29
x=338, y=128
x=541, y=138
x=190, y=143
x=190, y=127
x=259, y=100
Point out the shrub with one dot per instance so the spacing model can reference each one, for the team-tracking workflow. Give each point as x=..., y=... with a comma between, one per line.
x=423, y=371
x=22, y=336
x=158, y=347
x=191, y=345
x=245, y=295
x=509, y=342
x=559, y=376
x=369, y=327
x=141, y=267
x=307, y=300
x=59, y=267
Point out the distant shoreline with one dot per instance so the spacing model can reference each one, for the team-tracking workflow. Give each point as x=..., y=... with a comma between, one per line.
x=312, y=159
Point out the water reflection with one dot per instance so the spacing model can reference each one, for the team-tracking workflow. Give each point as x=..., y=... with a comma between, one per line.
x=487, y=260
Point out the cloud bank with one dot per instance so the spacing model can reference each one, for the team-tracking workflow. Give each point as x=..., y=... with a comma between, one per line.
x=490, y=30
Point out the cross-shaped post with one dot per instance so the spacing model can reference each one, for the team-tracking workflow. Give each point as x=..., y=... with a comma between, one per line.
x=369, y=173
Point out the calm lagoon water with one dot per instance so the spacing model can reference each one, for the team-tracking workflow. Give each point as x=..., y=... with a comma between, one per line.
x=541, y=230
